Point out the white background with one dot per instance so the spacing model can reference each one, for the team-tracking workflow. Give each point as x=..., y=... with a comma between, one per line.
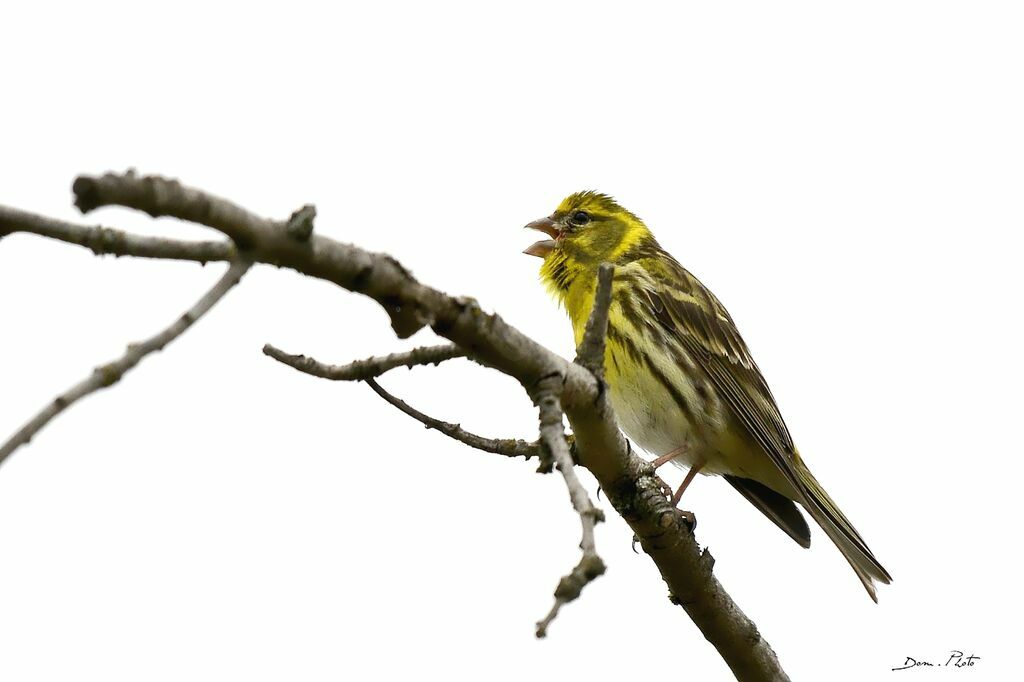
x=846, y=178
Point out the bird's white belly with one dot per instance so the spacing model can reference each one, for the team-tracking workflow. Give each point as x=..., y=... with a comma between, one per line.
x=652, y=418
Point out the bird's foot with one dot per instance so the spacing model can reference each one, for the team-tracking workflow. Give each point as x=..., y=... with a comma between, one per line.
x=673, y=497
x=666, y=489
x=689, y=518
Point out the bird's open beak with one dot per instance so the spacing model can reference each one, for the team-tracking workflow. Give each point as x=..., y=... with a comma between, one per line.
x=542, y=248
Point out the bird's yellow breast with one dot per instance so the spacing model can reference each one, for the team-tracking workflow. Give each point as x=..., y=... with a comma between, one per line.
x=661, y=398
x=656, y=402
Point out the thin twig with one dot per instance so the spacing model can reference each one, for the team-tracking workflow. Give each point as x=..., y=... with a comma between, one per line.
x=510, y=447
x=366, y=370
x=590, y=353
x=590, y=566
x=110, y=373
x=104, y=240
x=361, y=370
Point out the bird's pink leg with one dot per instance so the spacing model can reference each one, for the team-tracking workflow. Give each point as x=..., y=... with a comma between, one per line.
x=686, y=481
x=664, y=459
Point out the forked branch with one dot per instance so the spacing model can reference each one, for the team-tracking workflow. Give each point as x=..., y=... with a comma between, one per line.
x=590, y=566
x=557, y=385
x=370, y=368
x=591, y=356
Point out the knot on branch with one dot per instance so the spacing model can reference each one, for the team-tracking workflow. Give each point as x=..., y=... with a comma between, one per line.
x=109, y=374
x=105, y=240
x=462, y=306
x=706, y=560
x=406, y=316
x=571, y=586
x=404, y=307
x=300, y=225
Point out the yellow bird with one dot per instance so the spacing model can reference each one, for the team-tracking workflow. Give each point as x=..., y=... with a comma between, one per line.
x=680, y=377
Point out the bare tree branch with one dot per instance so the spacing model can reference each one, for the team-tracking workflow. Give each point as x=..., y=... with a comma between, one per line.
x=590, y=354
x=159, y=196
x=378, y=276
x=629, y=482
x=590, y=566
x=103, y=240
x=361, y=370
x=110, y=373
x=509, y=447
x=366, y=370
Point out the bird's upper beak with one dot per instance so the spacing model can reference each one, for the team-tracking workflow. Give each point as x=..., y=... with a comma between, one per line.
x=549, y=227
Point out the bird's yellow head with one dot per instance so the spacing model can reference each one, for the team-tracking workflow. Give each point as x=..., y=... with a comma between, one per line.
x=587, y=229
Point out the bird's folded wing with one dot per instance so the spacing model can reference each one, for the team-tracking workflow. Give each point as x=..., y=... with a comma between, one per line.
x=687, y=309
x=699, y=321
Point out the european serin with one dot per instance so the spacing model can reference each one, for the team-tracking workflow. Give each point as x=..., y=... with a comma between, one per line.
x=681, y=379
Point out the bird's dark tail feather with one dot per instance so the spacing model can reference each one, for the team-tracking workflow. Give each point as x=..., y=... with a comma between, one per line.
x=779, y=508
x=839, y=529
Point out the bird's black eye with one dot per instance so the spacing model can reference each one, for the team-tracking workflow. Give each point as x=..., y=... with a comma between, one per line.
x=579, y=218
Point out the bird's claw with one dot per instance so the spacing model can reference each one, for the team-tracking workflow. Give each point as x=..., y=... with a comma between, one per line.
x=688, y=517
x=666, y=489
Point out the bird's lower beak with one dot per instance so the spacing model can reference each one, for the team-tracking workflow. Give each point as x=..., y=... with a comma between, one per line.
x=542, y=248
